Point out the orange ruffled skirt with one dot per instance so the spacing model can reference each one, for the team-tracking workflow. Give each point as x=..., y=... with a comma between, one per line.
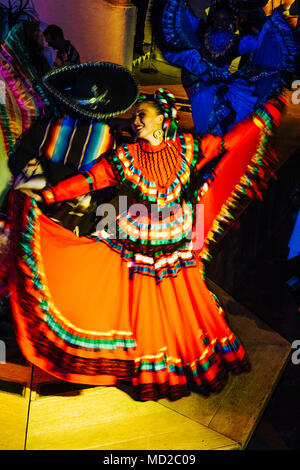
x=81, y=317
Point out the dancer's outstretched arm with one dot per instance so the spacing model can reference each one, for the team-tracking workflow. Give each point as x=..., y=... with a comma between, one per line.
x=190, y=59
x=99, y=176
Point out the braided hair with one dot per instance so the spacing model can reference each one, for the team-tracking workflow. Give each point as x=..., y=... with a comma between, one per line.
x=165, y=103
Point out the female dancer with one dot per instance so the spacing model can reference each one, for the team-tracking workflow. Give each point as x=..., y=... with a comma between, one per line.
x=220, y=98
x=130, y=302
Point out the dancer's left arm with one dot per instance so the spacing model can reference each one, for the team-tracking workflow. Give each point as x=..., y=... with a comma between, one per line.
x=267, y=117
x=248, y=44
x=190, y=59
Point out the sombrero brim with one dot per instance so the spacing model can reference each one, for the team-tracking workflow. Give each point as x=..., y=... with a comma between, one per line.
x=117, y=89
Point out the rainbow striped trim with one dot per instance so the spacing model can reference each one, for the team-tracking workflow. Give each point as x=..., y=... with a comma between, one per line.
x=124, y=163
x=250, y=184
x=158, y=264
x=144, y=230
x=52, y=322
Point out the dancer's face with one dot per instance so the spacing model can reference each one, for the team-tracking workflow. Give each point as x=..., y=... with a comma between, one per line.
x=146, y=121
x=222, y=21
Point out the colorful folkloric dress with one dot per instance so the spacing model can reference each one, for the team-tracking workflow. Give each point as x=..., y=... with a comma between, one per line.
x=129, y=302
x=218, y=97
x=22, y=97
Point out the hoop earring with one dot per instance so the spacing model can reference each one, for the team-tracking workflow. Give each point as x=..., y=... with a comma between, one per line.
x=158, y=134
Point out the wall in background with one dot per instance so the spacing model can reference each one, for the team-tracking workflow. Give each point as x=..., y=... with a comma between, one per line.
x=99, y=29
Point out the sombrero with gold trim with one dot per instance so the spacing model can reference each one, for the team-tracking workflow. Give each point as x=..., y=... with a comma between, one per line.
x=97, y=90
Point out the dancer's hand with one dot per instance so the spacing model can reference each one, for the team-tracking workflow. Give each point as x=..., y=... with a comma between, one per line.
x=32, y=194
x=35, y=182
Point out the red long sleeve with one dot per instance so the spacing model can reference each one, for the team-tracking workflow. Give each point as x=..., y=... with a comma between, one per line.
x=99, y=176
x=210, y=146
x=268, y=116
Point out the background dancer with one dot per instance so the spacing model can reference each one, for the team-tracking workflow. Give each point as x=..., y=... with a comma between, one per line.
x=220, y=98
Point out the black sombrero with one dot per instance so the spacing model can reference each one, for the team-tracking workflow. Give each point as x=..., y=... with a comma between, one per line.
x=97, y=90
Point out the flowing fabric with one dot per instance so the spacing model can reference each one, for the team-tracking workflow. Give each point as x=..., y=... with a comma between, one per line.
x=23, y=98
x=219, y=97
x=91, y=310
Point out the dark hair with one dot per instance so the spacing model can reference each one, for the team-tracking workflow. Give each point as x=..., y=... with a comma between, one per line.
x=54, y=31
x=163, y=101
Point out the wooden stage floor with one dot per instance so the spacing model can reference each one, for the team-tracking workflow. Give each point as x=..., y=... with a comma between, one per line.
x=38, y=412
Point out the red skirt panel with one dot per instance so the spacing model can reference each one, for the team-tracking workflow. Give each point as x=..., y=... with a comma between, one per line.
x=80, y=316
